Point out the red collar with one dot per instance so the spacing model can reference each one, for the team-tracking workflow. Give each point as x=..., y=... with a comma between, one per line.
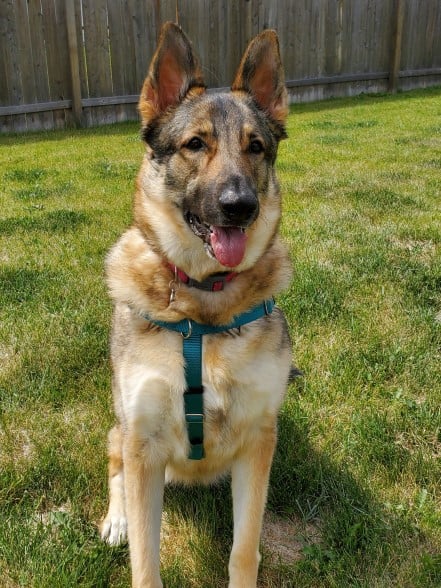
x=214, y=283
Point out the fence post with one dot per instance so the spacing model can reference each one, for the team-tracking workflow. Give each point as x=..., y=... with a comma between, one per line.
x=77, y=108
x=397, y=41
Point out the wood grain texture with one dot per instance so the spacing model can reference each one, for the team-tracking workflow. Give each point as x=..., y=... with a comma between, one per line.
x=320, y=40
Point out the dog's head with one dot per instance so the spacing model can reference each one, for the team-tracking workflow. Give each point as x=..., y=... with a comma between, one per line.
x=208, y=196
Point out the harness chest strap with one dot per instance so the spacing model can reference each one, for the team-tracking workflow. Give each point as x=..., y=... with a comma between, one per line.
x=193, y=395
x=192, y=333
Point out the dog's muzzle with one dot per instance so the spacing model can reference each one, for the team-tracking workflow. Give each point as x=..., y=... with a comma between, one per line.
x=224, y=214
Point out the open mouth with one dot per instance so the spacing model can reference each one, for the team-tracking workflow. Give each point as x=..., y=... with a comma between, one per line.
x=224, y=243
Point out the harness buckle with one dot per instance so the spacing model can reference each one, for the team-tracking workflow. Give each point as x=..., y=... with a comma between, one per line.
x=194, y=418
x=268, y=311
x=187, y=335
x=173, y=286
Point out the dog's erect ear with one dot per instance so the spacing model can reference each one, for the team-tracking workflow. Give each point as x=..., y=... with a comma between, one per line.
x=261, y=74
x=174, y=71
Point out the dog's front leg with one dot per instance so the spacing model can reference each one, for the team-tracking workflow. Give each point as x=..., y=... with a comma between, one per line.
x=250, y=476
x=144, y=490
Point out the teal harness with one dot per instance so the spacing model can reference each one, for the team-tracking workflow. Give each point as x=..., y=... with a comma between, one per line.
x=192, y=333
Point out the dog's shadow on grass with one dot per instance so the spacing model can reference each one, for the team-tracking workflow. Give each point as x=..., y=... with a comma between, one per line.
x=309, y=485
x=311, y=491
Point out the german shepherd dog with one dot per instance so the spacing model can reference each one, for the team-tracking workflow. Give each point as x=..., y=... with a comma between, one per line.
x=203, y=250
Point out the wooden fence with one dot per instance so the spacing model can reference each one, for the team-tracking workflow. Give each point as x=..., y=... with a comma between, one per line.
x=65, y=62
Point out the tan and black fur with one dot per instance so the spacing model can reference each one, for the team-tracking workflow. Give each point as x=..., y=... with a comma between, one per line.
x=208, y=169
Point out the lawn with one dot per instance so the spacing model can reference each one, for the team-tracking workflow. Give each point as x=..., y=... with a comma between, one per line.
x=355, y=495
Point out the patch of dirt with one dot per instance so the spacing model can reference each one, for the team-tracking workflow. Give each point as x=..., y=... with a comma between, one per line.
x=285, y=539
x=15, y=447
x=53, y=517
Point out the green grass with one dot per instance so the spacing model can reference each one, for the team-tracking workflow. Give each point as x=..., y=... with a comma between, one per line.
x=357, y=471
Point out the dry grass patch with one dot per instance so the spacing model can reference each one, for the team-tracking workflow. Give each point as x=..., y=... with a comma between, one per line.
x=284, y=540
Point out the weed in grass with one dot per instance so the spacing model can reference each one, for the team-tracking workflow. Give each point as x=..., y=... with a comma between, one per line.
x=334, y=139
x=327, y=124
x=36, y=184
x=105, y=169
x=34, y=192
x=28, y=176
x=433, y=163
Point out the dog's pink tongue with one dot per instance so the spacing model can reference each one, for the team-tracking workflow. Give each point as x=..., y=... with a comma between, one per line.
x=228, y=245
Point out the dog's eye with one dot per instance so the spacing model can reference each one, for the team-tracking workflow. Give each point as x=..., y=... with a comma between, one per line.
x=195, y=144
x=256, y=146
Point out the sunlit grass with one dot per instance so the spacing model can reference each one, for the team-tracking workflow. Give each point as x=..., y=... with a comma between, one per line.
x=360, y=444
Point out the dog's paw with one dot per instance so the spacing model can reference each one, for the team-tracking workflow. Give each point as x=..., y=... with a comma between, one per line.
x=114, y=530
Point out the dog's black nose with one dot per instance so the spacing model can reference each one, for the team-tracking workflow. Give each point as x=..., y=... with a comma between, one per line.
x=238, y=202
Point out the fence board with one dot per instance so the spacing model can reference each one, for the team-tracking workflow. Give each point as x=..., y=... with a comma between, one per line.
x=26, y=61
x=123, y=53
x=422, y=22
x=397, y=44
x=74, y=63
x=219, y=17
x=315, y=31
x=11, y=58
x=212, y=49
x=4, y=93
x=121, y=48
x=431, y=29
x=145, y=33
x=39, y=65
x=230, y=56
x=84, y=84
x=97, y=47
x=56, y=56
x=97, y=57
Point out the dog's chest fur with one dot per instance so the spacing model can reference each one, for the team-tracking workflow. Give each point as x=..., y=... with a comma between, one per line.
x=236, y=376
